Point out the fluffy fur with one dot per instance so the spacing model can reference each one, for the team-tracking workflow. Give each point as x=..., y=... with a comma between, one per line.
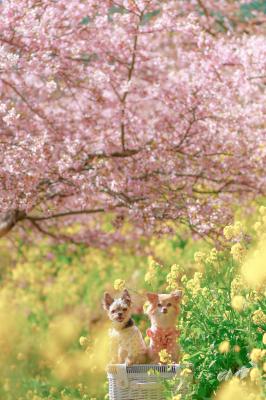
x=127, y=344
x=163, y=310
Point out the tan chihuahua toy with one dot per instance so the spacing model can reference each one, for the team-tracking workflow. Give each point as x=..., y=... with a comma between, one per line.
x=127, y=344
x=163, y=310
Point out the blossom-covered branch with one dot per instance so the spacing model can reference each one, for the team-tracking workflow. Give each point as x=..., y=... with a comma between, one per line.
x=144, y=110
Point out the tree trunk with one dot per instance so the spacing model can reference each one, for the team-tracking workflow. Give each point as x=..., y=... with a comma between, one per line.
x=8, y=220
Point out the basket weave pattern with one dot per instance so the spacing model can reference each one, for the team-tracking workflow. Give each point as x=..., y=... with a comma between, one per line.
x=135, y=383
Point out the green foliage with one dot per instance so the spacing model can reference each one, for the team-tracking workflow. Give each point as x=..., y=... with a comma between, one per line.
x=52, y=295
x=247, y=8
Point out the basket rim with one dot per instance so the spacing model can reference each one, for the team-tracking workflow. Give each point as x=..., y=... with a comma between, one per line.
x=144, y=367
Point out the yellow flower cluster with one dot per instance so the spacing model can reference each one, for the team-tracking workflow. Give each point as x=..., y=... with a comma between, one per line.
x=151, y=275
x=238, y=252
x=253, y=296
x=83, y=341
x=49, y=287
x=236, y=348
x=254, y=396
x=257, y=355
x=264, y=339
x=212, y=256
x=238, y=303
x=255, y=375
x=253, y=269
x=185, y=357
x=228, y=232
x=239, y=389
x=224, y=347
x=199, y=257
x=237, y=286
x=260, y=225
x=119, y=284
x=172, y=277
x=186, y=372
x=233, y=231
x=262, y=211
x=259, y=317
x=194, y=284
x=177, y=397
x=165, y=357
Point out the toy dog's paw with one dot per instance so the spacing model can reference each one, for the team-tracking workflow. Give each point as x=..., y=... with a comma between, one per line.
x=122, y=356
x=129, y=361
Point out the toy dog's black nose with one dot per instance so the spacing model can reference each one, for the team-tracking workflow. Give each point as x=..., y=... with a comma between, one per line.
x=120, y=314
x=164, y=310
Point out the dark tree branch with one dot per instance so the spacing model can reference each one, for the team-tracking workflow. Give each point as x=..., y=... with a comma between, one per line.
x=64, y=214
x=43, y=231
x=9, y=219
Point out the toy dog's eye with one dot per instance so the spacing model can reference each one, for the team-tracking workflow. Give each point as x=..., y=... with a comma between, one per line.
x=113, y=311
x=124, y=309
x=159, y=305
x=168, y=305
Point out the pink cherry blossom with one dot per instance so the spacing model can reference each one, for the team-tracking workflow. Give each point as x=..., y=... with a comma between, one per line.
x=151, y=111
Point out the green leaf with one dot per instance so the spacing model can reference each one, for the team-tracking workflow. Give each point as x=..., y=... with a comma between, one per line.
x=117, y=10
x=248, y=8
x=85, y=20
x=148, y=16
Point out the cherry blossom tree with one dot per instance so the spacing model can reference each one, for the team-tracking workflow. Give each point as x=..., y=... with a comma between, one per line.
x=147, y=111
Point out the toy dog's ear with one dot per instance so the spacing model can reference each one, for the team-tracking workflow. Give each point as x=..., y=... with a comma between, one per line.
x=177, y=296
x=152, y=297
x=126, y=297
x=107, y=301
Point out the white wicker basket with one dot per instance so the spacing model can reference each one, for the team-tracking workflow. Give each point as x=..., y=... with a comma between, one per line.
x=135, y=383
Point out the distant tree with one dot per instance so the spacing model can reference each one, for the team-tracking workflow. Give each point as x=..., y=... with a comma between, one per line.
x=152, y=111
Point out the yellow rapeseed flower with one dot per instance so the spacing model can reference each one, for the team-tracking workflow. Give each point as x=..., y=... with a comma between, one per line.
x=199, y=257
x=224, y=347
x=238, y=303
x=21, y=357
x=238, y=252
x=233, y=231
x=194, y=284
x=177, y=397
x=232, y=390
x=256, y=355
x=165, y=357
x=255, y=375
x=186, y=372
x=172, y=277
x=185, y=357
x=259, y=318
x=257, y=226
x=264, y=338
x=228, y=232
x=253, y=269
x=83, y=341
x=262, y=210
x=7, y=385
x=175, y=268
x=119, y=284
x=150, y=276
x=237, y=285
